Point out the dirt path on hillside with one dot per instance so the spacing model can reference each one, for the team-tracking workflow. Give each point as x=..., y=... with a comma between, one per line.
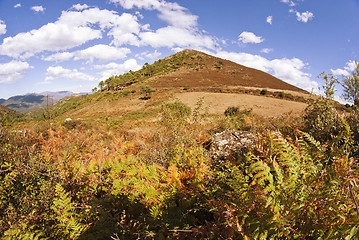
x=263, y=106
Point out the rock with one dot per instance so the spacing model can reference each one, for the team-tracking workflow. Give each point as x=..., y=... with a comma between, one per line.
x=229, y=142
x=68, y=119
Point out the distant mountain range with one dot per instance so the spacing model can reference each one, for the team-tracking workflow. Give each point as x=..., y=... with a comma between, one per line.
x=28, y=102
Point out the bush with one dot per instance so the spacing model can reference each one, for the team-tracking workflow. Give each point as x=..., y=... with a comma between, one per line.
x=231, y=111
x=264, y=92
x=236, y=119
x=322, y=121
x=281, y=94
x=178, y=109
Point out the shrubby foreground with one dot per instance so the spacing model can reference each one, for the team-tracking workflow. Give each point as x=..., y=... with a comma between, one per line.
x=82, y=180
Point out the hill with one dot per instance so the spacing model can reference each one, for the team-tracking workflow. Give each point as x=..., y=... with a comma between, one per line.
x=188, y=76
x=190, y=68
x=5, y=110
x=203, y=70
x=28, y=102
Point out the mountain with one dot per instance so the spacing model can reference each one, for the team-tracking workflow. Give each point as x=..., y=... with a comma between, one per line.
x=186, y=76
x=203, y=70
x=57, y=95
x=28, y=102
x=194, y=69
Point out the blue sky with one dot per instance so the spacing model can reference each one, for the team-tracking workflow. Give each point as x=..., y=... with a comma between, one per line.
x=72, y=45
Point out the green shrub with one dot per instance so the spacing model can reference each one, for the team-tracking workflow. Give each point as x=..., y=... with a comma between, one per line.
x=322, y=121
x=176, y=109
x=281, y=94
x=231, y=111
x=264, y=92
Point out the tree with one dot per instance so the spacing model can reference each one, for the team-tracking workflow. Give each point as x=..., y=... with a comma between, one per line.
x=329, y=86
x=147, y=90
x=350, y=83
x=101, y=85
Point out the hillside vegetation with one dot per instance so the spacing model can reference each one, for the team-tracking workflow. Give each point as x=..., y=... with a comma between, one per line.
x=194, y=69
x=97, y=167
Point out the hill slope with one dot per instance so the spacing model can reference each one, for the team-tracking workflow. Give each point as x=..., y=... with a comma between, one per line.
x=190, y=68
x=28, y=102
x=206, y=77
x=203, y=70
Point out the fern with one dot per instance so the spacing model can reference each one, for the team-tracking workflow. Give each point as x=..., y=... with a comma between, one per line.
x=67, y=224
x=22, y=231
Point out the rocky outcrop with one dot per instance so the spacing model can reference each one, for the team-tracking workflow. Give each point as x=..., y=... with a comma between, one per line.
x=229, y=142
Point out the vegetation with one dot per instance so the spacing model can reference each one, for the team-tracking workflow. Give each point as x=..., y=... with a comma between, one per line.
x=350, y=84
x=162, y=66
x=147, y=90
x=158, y=180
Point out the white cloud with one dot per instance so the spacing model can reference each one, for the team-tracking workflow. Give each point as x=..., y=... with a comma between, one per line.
x=170, y=12
x=59, y=57
x=38, y=8
x=2, y=27
x=290, y=3
x=60, y=72
x=51, y=37
x=80, y=7
x=172, y=36
x=304, y=17
x=102, y=53
x=126, y=30
x=12, y=71
x=249, y=37
x=72, y=29
x=83, y=24
x=180, y=20
x=17, y=5
x=270, y=20
x=153, y=56
x=111, y=69
x=267, y=50
x=349, y=67
x=288, y=70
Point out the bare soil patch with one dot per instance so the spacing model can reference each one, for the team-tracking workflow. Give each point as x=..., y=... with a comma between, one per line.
x=262, y=106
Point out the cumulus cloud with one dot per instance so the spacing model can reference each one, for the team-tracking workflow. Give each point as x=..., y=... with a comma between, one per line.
x=51, y=37
x=12, y=71
x=2, y=27
x=80, y=7
x=288, y=70
x=349, y=67
x=304, y=16
x=111, y=69
x=38, y=8
x=72, y=29
x=59, y=57
x=249, y=37
x=170, y=12
x=172, y=36
x=100, y=52
x=153, y=56
x=180, y=20
x=17, y=5
x=270, y=20
x=83, y=23
x=68, y=74
x=267, y=50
